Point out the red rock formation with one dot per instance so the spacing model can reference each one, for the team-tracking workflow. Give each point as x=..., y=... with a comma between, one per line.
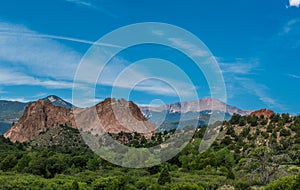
x=266, y=113
x=114, y=116
x=108, y=116
x=37, y=117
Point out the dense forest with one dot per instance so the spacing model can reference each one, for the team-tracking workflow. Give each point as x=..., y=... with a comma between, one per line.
x=250, y=153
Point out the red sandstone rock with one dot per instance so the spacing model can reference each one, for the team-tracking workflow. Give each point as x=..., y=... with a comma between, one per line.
x=266, y=113
x=111, y=116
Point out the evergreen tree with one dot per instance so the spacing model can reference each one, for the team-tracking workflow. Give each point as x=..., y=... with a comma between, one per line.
x=164, y=177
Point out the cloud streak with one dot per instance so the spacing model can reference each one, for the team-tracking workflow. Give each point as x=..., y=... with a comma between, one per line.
x=35, y=59
x=89, y=4
x=83, y=3
x=11, y=77
x=40, y=56
x=188, y=46
x=239, y=66
x=294, y=76
x=238, y=77
x=260, y=91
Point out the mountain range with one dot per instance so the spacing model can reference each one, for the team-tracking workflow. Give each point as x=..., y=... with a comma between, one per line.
x=165, y=117
x=197, y=112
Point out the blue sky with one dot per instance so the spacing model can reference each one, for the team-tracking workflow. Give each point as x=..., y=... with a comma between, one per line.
x=256, y=44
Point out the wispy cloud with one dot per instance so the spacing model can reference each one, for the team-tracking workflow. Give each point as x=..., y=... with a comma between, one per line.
x=239, y=66
x=288, y=36
x=11, y=77
x=92, y=5
x=238, y=75
x=260, y=90
x=188, y=46
x=294, y=76
x=34, y=35
x=31, y=58
x=145, y=78
x=41, y=56
x=289, y=26
x=81, y=2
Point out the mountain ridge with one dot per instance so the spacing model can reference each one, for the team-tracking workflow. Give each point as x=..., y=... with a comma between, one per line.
x=204, y=105
x=42, y=115
x=187, y=108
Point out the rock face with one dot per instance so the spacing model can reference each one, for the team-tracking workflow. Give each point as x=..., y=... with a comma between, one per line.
x=266, y=113
x=111, y=116
x=199, y=105
x=37, y=117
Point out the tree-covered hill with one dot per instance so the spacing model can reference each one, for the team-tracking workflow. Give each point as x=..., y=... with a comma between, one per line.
x=250, y=152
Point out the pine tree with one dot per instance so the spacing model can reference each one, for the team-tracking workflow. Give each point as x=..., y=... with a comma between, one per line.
x=164, y=177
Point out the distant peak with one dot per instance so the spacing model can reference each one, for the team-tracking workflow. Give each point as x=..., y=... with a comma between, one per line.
x=52, y=98
x=57, y=101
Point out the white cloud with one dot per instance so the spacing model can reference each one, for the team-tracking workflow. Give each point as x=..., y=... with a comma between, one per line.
x=238, y=75
x=289, y=26
x=288, y=36
x=238, y=66
x=45, y=36
x=31, y=58
x=41, y=56
x=261, y=91
x=188, y=46
x=81, y=2
x=295, y=3
x=151, y=80
x=11, y=77
x=294, y=76
x=92, y=5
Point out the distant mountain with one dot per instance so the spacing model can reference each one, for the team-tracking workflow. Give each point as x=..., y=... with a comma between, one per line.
x=196, y=112
x=10, y=111
x=57, y=101
x=4, y=126
x=199, y=105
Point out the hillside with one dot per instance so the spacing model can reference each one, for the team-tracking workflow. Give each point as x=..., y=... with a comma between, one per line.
x=277, y=131
x=251, y=152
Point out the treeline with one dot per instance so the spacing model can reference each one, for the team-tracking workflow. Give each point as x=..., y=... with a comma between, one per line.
x=249, y=151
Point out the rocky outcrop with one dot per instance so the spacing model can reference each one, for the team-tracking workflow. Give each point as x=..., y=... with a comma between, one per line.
x=113, y=116
x=266, y=113
x=109, y=116
x=37, y=117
